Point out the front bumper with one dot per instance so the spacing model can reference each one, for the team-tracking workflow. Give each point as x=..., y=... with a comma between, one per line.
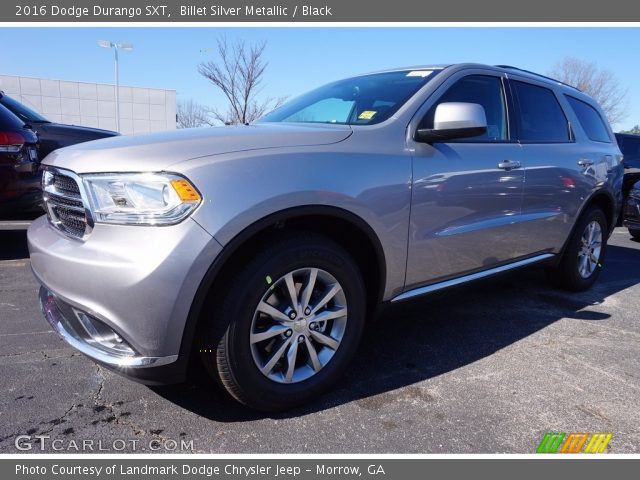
x=61, y=317
x=138, y=282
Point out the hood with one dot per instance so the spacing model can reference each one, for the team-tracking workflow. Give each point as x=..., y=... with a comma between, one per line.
x=158, y=151
x=75, y=131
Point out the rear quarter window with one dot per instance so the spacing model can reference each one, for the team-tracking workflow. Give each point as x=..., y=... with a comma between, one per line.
x=590, y=120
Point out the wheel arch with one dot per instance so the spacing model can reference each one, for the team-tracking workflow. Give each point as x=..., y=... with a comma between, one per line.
x=602, y=199
x=606, y=202
x=344, y=227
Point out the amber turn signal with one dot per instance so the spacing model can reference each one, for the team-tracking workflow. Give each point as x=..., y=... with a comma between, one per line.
x=185, y=191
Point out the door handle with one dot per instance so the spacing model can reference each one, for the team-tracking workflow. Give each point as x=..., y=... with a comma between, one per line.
x=509, y=164
x=585, y=163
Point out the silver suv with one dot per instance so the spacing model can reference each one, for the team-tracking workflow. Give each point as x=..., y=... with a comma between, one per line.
x=261, y=250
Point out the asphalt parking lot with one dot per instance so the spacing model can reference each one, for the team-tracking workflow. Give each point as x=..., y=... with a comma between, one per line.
x=488, y=368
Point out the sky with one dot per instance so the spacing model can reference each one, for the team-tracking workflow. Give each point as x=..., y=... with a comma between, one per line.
x=302, y=58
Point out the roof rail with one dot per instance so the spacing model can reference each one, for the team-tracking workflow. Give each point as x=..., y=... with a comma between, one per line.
x=510, y=67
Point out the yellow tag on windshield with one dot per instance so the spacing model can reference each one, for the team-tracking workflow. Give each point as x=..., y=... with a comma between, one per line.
x=366, y=115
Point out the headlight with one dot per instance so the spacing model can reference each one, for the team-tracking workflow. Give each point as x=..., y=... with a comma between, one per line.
x=141, y=198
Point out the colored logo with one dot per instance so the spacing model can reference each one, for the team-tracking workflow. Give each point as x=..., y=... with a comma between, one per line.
x=556, y=442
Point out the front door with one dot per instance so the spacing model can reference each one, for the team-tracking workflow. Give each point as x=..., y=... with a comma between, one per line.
x=466, y=194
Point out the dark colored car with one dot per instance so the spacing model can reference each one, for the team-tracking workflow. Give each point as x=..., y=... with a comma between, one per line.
x=52, y=135
x=632, y=211
x=630, y=148
x=19, y=165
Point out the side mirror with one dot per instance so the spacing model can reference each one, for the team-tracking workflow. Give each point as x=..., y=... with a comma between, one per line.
x=454, y=120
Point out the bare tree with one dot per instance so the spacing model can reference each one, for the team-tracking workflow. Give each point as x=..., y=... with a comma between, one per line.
x=191, y=114
x=600, y=83
x=239, y=74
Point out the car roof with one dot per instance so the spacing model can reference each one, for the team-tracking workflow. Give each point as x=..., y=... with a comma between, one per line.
x=507, y=69
x=500, y=68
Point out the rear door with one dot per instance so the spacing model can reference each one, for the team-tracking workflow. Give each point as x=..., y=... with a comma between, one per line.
x=560, y=172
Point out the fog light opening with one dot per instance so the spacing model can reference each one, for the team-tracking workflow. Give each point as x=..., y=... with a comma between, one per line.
x=102, y=336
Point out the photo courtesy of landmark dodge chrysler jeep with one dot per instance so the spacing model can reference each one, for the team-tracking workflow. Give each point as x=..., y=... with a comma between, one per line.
x=261, y=250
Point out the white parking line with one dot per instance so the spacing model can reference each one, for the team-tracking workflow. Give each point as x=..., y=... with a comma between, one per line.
x=12, y=263
x=14, y=225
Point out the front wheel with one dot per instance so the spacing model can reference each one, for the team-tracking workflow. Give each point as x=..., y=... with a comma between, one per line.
x=635, y=233
x=288, y=324
x=584, y=254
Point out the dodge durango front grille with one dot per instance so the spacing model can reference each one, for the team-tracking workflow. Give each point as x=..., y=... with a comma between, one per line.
x=64, y=202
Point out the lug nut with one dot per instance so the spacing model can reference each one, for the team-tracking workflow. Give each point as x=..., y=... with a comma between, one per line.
x=313, y=325
x=301, y=339
x=307, y=311
x=288, y=333
x=292, y=315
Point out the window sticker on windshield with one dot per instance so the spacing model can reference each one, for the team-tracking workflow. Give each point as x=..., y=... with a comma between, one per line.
x=367, y=115
x=420, y=73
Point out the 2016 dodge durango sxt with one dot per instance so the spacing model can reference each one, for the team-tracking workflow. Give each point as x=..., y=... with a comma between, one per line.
x=260, y=250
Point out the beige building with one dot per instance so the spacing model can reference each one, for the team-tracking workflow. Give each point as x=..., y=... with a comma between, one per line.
x=93, y=104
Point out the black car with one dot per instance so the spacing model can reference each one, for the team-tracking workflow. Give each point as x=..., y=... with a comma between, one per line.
x=52, y=135
x=630, y=148
x=632, y=212
x=19, y=165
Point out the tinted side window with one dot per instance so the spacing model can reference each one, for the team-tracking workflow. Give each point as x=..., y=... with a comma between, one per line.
x=540, y=117
x=484, y=90
x=590, y=120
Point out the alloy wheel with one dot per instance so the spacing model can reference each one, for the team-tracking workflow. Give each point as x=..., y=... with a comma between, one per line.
x=298, y=325
x=590, y=248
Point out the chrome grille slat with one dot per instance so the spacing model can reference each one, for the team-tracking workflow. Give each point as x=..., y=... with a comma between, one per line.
x=71, y=204
x=71, y=222
x=66, y=185
x=66, y=206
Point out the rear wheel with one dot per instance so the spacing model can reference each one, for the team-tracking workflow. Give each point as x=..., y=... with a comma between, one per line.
x=584, y=254
x=288, y=324
x=635, y=233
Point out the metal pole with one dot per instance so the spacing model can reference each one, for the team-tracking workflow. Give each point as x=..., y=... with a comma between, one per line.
x=115, y=49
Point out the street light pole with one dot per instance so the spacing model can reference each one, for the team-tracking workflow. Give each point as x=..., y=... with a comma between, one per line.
x=115, y=52
x=116, y=47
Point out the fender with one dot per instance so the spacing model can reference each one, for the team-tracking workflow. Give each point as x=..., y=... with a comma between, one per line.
x=239, y=240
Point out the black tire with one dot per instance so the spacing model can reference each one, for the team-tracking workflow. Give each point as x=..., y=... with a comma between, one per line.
x=567, y=274
x=226, y=350
x=635, y=233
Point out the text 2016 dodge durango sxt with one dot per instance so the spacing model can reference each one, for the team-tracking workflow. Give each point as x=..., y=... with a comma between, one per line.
x=259, y=250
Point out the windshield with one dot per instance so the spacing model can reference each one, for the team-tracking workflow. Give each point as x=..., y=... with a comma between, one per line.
x=21, y=111
x=364, y=100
